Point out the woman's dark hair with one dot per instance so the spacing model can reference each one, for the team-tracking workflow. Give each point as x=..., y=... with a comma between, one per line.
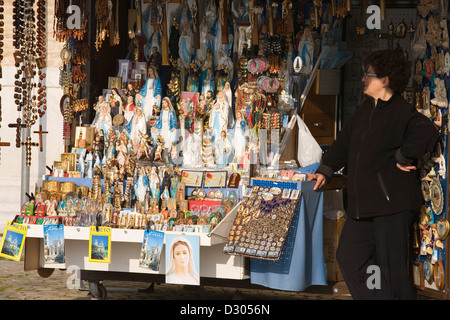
x=393, y=64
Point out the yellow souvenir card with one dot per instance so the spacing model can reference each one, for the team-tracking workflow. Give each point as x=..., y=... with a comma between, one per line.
x=13, y=241
x=100, y=244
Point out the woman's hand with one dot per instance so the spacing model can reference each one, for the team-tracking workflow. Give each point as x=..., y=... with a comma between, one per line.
x=406, y=167
x=320, y=180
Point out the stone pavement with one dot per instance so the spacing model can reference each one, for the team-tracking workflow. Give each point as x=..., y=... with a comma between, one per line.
x=17, y=284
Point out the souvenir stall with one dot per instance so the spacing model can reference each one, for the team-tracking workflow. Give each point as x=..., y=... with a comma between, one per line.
x=185, y=140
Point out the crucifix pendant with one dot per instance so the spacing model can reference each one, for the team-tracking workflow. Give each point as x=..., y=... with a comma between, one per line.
x=40, y=132
x=28, y=144
x=18, y=125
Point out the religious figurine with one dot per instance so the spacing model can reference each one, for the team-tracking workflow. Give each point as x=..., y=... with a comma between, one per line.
x=89, y=166
x=154, y=181
x=440, y=93
x=110, y=152
x=103, y=121
x=155, y=59
x=192, y=84
x=128, y=110
x=137, y=125
x=239, y=136
x=81, y=164
x=165, y=197
x=141, y=185
x=116, y=103
x=99, y=142
x=145, y=149
x=218, y=119
x=151, y=93
x=166, y=124
x=306, y=51
x=186, y=45
x=223, y=150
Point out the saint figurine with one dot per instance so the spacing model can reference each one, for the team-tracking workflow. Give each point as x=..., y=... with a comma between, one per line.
x=239, y=136
x=116, y=103
x=136, y=126
x=186, y=45
x=218, y=119
x=128, y=110
x=223, y=150
x=166, y=124
x=154, y=182
x=151, y=93
x=141, y=185
x=103, y=121
x=306, y=51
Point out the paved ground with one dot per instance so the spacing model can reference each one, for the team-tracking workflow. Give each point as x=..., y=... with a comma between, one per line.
x=16, y=284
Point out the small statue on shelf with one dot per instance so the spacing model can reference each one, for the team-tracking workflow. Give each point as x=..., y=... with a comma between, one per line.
x=166, y=124
x=151, y=93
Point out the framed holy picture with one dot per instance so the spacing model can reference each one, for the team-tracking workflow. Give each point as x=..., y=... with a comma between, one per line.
x=182, y=253
x=189, y=102
x=124, y=70
x=215, y=179
x=114, y=83
x=192, y=178
x=418, y=275
x=13, y=241
x=100, y=244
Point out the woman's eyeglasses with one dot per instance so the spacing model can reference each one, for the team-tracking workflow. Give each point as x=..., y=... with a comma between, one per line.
x=367, y=75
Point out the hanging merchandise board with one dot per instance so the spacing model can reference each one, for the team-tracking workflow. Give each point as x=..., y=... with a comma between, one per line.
x=13, y=241
x=429, y=94
x=262, y=222
x=301, y=263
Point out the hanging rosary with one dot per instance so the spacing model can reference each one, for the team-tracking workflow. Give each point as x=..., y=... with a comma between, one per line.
x=2, y=144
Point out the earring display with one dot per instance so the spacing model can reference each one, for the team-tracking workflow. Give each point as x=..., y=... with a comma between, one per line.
x=262, y=222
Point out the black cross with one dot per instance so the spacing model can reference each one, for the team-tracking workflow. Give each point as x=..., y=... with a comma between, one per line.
x=28, y=145
x=18, y=125
x=40, y=132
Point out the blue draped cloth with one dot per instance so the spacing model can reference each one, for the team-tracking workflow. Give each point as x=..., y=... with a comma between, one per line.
x=301, y=263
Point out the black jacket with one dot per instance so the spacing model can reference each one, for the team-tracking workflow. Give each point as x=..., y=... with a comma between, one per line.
x=370, y=144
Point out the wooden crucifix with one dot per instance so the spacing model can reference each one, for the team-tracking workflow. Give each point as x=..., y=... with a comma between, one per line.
x=28, y=144
x=18, y=125
x=40, y=132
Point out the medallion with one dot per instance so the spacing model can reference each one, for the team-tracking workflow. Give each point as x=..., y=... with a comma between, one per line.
x=437, y=196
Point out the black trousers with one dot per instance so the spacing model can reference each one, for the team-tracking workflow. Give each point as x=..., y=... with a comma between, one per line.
x=374, y=257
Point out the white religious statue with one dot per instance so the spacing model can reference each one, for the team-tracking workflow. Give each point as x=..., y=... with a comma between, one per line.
x=141, y=186
x=218, y=119
x=440, y=94
x=222, y=150
x=229, y=98
x=186, y=45
x=137, y=126
x=151, y=93
x=166, y=124
x=306, y=51
x=103, y=120
x=240, y=134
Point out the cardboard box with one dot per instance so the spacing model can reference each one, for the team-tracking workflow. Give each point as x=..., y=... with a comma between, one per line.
x=331, y=232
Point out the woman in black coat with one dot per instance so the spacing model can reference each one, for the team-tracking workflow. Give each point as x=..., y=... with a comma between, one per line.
x=379, y=146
